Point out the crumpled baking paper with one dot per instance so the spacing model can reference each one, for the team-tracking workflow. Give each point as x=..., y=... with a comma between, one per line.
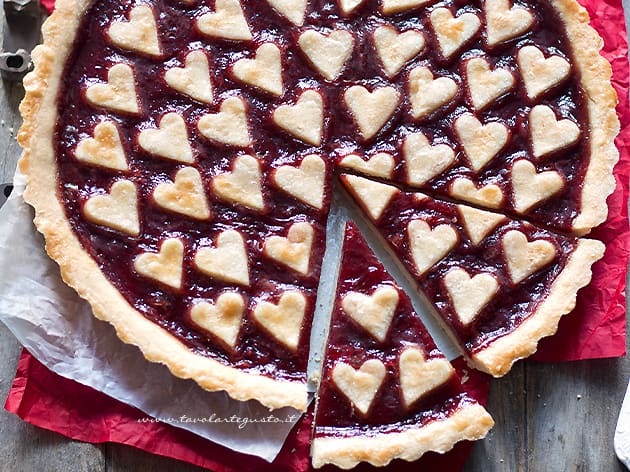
x=58, y=328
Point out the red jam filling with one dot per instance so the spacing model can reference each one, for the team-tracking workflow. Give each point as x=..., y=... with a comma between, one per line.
x=92, y=57
x=349, y=343
x=511, y=305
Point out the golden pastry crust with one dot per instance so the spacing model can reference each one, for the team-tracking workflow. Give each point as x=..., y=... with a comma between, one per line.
x=78, y=269
x=470, y=422
x=497, y=358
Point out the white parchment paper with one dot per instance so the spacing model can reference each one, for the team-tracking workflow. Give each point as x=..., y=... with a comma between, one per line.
x=58, y=328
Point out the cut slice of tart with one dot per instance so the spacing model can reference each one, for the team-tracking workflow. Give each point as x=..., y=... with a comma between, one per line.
x=499, y=284
x=385, y=390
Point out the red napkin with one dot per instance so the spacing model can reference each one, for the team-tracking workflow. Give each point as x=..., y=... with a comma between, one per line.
x=50, y=401
x=595, y=329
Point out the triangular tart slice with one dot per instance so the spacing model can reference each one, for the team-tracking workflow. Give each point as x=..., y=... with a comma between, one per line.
x=386, y=391
x=498, y=284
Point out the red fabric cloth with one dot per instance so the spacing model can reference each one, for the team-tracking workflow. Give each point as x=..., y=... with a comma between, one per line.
x=595, y=329
x=50, y=401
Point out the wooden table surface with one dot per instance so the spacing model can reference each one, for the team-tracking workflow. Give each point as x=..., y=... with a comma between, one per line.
x=549, y=417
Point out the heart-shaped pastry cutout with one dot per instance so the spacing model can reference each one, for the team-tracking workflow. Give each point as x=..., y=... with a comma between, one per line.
x=504, y=22
x=264, y=71
x=227, y=261
x=229, y=126
x=486, y=85
x=429, y=246
x=539, y=73
x=169, y=141
x=139, y=34
x=227, y=22
x=292, y=10
x=348, y=6
x=478, y=223
x=283, y=320
x=423, y=160
x=391, y=7
x=222, y=318
x=118, y=94
x=241, y=185
x=305, y=119
x=419, y=376
x=360, y=386
x=371, y=110
x=469, y=294
x=185, y=195
x=193, y=79
x=306, y=182
x=375, y=312
x=489, y=195
x=117, y=210
x=166, y=266
x=396, y=49
x=380, y=164
x=530, y=187
x=327, y=53
x=373, y=196
x=104, y=149
x=550, y=134
x=427, y=94
x=524, y=257
x=294, y=251
x=452, y=33
x=481, y=142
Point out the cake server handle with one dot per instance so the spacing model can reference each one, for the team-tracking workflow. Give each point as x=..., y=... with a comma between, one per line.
x=621, y=440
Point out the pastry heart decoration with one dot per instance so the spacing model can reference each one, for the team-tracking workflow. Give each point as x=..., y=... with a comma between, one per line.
x=396, y=49
x=453, y=32
x=380, y=164
x=306, y=182
x=242, y=184
x=524, y=257
x=360, y=385
x=118, y=93
x=489, y=195
x=292, y=10
x=294, y=251
x=427, y=94
x=348, y=6
x=117, y=210
x=531, y=187
x=186, y=195
x=305, y=119
x=374, y=312
x=227, y=22
x=539, y=73
x=419, y=376
x=328, y=53
x=139, y=33
x=222, y=318
x=264, y=72
x=166, y=266
x=481, y=142
x=193, y=79
x=478, y=223
x=227, y=261
x=284, y=319
x=504, y=22
x=430, y=245
x=391, y=7
x=486, y=85
x=169, y=141
x=550, y=134
x=424, y=160
x=228, y=126
x=371, y=110
x=374, y=196
x=469, y=294
x=104, y=149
